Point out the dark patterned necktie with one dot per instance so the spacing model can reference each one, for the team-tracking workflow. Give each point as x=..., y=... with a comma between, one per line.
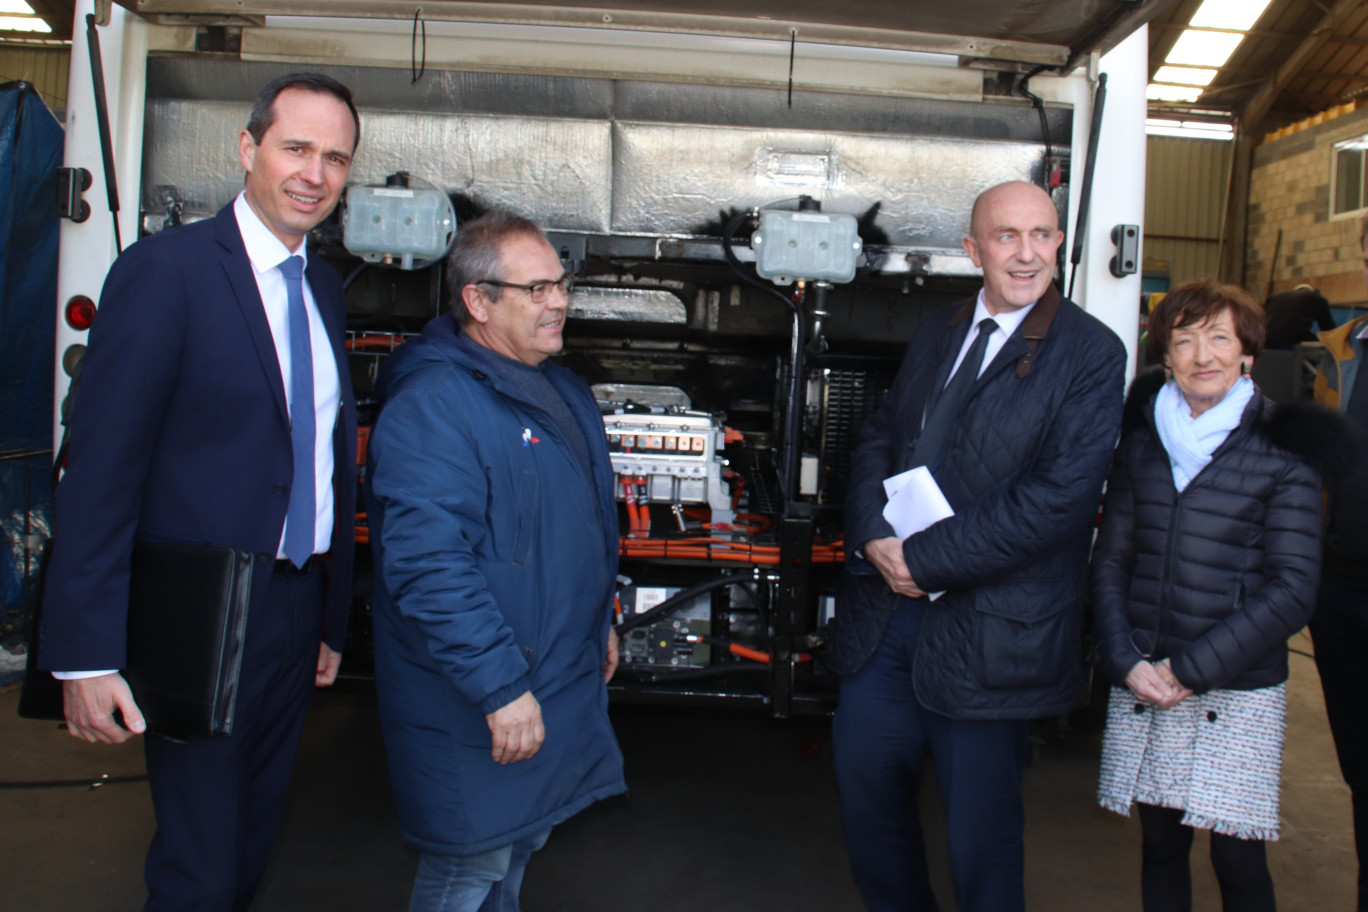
x=946, y=411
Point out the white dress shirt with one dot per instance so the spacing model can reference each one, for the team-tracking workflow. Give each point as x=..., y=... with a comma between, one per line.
x=266, y=252
x=1007, y=322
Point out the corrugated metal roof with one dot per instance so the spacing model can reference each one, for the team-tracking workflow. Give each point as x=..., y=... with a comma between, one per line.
x=58, y=14
x=1301, y=58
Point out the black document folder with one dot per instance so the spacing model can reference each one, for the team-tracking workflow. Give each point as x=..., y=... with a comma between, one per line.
x=187, y=620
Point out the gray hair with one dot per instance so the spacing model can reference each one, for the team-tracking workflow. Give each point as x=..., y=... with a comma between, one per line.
x=475, y=255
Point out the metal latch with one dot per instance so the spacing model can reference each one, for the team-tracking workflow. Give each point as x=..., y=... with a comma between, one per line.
x=71, y=183
x=1127, y=241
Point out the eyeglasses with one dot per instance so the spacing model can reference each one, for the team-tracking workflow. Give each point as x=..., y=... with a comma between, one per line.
x=538, y=291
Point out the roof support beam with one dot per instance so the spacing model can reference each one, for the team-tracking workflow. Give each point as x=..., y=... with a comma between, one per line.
x=1180, y=27
x=1251, y=118
x=1163, y=36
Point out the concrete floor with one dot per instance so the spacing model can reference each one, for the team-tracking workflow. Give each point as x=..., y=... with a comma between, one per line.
x=726, y=813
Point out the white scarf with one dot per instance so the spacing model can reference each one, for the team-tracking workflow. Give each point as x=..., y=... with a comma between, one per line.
x=1191, y=441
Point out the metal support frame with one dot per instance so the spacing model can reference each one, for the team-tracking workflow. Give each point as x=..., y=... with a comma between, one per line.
x=795, y=608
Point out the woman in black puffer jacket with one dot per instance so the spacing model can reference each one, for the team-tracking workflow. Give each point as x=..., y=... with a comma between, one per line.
x=1205, y=564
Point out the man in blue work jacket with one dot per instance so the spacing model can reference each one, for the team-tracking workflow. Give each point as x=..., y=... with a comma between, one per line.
x=495, y=532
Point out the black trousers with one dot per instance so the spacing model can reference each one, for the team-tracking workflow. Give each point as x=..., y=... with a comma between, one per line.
x=1340, y=632
x=218, y=801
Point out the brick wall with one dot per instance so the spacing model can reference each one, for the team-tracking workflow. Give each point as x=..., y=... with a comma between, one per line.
x=1289, y=189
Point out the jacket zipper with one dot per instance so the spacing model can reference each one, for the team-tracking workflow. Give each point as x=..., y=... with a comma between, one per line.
x=1166, y=599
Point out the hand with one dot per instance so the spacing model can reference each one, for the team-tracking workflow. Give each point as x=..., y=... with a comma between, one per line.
x=1147, y=684
x=610, y=661
x=886, y=555
x=1177, y=692
x=90, y=703
x=517, y=729
x=1156, y=685
x=328, y=663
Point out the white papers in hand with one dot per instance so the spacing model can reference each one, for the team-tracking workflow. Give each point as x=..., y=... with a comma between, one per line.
x=915, y=502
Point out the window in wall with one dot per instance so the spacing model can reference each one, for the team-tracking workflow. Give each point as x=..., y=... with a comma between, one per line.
x=1347, y=168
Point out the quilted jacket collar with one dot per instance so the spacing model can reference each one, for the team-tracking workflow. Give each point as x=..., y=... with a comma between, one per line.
x=1022, y=344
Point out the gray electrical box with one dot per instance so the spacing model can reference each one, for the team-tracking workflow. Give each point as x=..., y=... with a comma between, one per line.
x=398, y=224
x=806, y=245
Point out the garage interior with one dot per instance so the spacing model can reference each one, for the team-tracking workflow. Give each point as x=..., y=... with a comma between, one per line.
x=729, y=808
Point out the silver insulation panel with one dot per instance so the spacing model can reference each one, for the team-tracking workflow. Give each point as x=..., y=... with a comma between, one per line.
x=628, y=158
x=556, y=171
x=192, y=148
x=640, y=305
x=670, y=178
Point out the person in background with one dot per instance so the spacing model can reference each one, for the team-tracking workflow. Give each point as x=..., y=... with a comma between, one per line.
x=1290, y=315
x=1205, y=563
x=1340, y=626
x=494, y=527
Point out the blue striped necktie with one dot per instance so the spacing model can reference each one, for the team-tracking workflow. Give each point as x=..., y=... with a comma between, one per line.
x=300, y=516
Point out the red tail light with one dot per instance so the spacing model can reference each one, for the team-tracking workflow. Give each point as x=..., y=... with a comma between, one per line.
x=80, y=312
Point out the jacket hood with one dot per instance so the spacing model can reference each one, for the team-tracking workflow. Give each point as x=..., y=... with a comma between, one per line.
x=1318, y=436
x=437, y=344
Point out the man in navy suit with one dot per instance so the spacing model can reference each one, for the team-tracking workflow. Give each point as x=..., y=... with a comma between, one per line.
x=216, y=408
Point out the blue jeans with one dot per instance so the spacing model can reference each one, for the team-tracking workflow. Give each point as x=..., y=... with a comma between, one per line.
x=488, y=882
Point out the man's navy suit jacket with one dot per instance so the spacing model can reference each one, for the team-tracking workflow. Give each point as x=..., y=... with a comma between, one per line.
x=180, y=433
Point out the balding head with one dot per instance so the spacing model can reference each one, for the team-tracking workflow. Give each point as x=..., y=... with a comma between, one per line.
x=1009, y=190
x=1014, y=238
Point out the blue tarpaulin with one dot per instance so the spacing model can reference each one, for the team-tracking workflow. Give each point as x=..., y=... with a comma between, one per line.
x=30, y=153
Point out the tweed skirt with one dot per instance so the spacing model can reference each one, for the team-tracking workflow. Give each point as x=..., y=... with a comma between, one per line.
x=1215, y=756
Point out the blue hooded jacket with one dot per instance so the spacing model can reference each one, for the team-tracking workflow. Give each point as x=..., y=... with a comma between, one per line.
x=495, y=561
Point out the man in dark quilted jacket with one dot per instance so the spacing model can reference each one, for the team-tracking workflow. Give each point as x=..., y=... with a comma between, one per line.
x=950, y=639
